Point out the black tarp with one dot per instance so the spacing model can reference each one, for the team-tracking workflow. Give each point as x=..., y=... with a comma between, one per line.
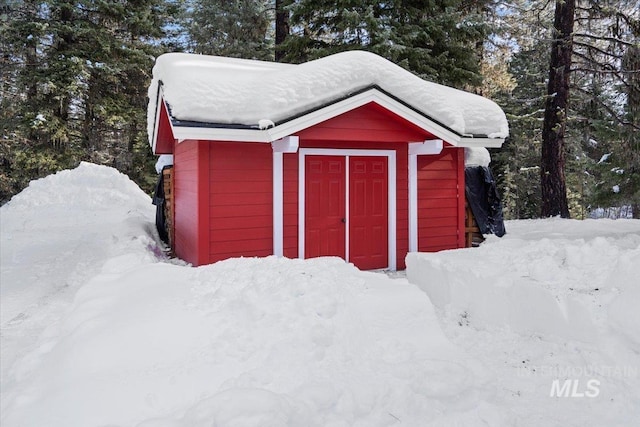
x=484, y=200
x=159, y=201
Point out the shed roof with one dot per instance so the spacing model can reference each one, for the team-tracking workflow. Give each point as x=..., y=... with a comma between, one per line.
x=237, y=93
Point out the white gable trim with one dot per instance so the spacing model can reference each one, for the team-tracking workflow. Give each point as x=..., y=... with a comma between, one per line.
x=327, y=112
x=467, y=141
x=156, y=123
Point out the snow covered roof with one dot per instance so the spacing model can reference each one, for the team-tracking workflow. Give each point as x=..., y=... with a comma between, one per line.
x=239, y=94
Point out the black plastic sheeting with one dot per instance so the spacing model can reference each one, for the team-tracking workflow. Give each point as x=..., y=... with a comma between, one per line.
x=159, y=201
x=484, y=200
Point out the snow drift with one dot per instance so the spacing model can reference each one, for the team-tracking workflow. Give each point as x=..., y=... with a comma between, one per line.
x=99, y=328
x=121, y=337
x=541, y=285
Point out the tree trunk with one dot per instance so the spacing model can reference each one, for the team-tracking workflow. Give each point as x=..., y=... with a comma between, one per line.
x=282, y=28
x=552, y=180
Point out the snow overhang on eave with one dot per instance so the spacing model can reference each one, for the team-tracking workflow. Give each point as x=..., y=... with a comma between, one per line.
x=244, y=133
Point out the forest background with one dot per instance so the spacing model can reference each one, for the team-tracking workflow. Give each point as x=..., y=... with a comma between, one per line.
x=74, y=78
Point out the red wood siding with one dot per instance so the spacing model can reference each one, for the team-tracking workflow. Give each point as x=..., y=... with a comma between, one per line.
x=440, y=210
x=461, y=198
x=164, y=136
x=290, y=205
x=186, y=206
x=240, y=200
x=224, y=201
x=369, y=123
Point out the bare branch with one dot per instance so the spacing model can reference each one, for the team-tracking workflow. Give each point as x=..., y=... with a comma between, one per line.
x=604, y=69
x=597, y=49
x=614, y=72
x=591, y=60
x=525, y=116
x=605, y=38
x=610, y=110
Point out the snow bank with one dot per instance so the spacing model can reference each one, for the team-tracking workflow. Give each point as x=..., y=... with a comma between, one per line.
x=96, y=331
x=55, y=235
x=554, y=302
x=254, y=341
x=541, y=285
x=224, y=90
x=99, y=329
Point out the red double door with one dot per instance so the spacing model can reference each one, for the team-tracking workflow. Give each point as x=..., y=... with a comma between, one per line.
x=346, y=209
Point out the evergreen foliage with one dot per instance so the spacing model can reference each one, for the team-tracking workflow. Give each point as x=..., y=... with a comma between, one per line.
x=598, y=119
x=518, y=161
x=236, y=28
x=437, y=40
x=77, y=73
x=74, y=77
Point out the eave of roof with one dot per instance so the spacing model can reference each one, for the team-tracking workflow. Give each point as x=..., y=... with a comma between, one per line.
x=184, y=130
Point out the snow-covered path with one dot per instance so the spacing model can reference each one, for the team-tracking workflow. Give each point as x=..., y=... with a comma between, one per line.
x=55, y=237
x=98, y=328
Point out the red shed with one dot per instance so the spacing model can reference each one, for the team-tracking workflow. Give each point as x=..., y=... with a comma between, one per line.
x=348, y=155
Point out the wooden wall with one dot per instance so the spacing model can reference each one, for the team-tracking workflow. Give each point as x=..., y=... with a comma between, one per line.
x=186, y=199
x=240, y=200
x=441, y=201
x=223, y=190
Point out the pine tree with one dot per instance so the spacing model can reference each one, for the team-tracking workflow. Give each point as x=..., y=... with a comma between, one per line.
x=437, y=40
x=240, y=29
x=631, y=65
x=552, y=177
x=80, y=74
x=517, y=163
x=521, y=91
x=605, y=41
x=282, y=27
x=595, y=118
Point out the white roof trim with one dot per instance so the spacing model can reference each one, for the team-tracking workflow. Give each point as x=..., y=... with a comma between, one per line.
x=481, y=142
x=325, y=113
x=156, y=123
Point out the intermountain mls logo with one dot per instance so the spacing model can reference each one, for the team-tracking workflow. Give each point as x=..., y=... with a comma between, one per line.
x=578, y=381
x=573, y=388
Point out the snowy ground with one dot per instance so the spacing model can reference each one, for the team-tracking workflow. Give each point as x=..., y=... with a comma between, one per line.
x=98, y=328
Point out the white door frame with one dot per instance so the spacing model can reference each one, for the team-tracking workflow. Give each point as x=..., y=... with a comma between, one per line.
x=391, y=194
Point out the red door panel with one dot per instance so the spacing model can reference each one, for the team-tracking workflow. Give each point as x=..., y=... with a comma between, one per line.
x=368, y=212
x=325, y=206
